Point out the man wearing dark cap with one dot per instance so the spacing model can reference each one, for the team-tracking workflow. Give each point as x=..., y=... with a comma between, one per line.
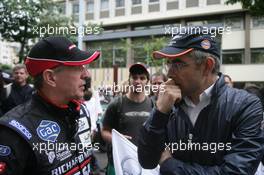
x=200, y=125
x=50, y=134
x=127, y=113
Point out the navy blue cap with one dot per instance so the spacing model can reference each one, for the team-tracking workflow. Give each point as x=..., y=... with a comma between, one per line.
x=184, y=43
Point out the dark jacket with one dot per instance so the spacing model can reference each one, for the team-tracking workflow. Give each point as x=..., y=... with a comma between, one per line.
x=40, y=138
x=226, y=139
x=17, y=96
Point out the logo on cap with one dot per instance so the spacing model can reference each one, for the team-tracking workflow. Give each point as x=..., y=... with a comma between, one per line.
x=72, y=46
x=206, y=44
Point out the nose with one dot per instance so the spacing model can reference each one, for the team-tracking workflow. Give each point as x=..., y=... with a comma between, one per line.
x=137, y=79
x=85, y=73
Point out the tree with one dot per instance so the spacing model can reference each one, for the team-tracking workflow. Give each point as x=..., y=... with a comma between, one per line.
x=155, y=43
x=20, y=21
x=255, y=7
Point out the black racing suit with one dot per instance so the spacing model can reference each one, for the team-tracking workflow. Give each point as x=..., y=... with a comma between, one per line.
x=226, y=138
x=41, y=138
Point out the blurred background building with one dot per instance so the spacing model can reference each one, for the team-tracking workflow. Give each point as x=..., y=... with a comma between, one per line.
x=130, y=26
x=8, y=52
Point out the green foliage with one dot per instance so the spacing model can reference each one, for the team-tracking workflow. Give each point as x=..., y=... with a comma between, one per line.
x=20, y=21
x=255, y=7
x=5, y=67
x=154, y=44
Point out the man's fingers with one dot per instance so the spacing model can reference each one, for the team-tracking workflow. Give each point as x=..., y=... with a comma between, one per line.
x=169, y=82
x=164, y=156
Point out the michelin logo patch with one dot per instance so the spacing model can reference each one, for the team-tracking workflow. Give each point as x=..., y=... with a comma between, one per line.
x=21, y=128
x=48, y=130
x=4, y=150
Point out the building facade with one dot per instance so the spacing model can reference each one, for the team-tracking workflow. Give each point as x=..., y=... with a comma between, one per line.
x=8, y=52
x=130, y=26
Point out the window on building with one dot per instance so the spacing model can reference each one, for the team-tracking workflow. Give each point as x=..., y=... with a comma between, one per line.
x=258, y=22
x=205, y=22
x=257, y=56
x=90, y=6
x=136, y=2
x=215, y=21
x=104, y=5
x=192, y=3
x=156, y=26
x=236, y=23
x=152, y=1
x=75, y=8
x=120, y=3
x=141, y=28
x=195, y=23
x=233, y=57
x=171, y=5
x=212, y=2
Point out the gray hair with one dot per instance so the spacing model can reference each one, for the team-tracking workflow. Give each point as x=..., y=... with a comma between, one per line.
x=164, y=77
x=38, y=79
x=199, y=56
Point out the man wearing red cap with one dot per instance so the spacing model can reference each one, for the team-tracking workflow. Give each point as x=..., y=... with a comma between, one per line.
x=200, y=125
x=127, y=113
x=51, y=133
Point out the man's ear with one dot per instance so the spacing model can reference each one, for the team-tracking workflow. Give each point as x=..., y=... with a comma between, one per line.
x=49, y=77
x=209, y=65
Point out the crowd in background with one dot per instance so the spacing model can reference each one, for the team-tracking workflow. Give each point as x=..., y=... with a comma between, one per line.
x=15, y=89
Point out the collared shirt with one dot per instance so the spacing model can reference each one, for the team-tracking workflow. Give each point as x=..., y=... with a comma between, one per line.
x=193, y=110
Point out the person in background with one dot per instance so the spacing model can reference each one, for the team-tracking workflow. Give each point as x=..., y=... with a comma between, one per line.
x=92, y=102
x=253, y=89
x=156, y=80
x=93, y=108
x=19, y=91
x=127, y=113
x=228, y=80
